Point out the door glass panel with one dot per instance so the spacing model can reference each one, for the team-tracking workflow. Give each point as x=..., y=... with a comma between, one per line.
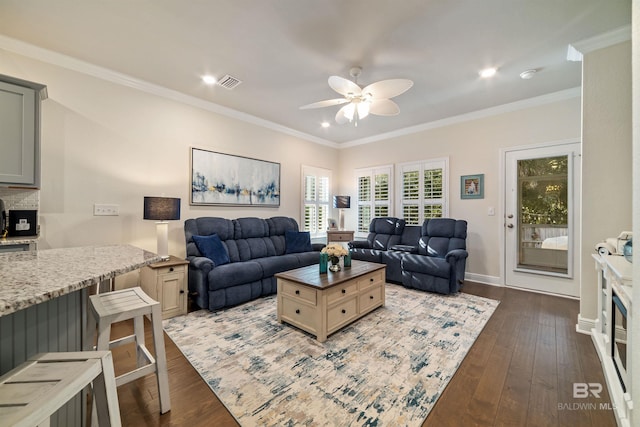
x=543, y=214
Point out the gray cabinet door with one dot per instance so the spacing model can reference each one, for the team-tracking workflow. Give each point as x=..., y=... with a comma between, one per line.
x=18, y=132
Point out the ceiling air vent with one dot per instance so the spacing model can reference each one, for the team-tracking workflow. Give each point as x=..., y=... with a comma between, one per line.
x=229, y=82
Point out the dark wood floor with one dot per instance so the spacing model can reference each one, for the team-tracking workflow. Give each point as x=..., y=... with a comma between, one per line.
x=519, y=372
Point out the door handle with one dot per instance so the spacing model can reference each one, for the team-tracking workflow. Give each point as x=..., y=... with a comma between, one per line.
x=509, y=225
x=510, y=216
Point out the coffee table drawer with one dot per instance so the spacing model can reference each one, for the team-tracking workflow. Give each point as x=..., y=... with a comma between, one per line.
x=298, y=291
x=371, y=297
x=371, y=279
x=341, y=314
x=299, y=314
x=341, y=291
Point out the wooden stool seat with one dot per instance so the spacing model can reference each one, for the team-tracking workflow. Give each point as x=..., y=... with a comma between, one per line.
x=36, y=389
x=133, y=303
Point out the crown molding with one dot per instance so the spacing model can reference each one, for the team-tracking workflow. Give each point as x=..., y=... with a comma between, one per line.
x=479, y=114
x=601, y=41
x=64, y=61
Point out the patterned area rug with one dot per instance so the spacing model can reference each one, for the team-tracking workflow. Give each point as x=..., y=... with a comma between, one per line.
x=387, y=369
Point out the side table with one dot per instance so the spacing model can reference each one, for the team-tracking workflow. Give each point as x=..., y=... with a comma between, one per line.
x=165, y=282
x=339, y=236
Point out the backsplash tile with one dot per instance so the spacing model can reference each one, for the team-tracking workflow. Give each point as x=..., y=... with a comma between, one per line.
x=19, y=199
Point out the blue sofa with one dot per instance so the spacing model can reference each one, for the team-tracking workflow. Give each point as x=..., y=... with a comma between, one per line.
x=246, y=255
x=431, y=257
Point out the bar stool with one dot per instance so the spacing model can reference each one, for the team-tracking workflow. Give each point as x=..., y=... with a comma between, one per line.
x=36, y=389
x=133, y=303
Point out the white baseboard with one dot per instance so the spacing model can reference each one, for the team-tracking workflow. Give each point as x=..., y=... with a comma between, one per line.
x=483, y=278
x=585, y=325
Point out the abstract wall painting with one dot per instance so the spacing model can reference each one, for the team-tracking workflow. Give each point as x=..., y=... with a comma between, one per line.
x=225, y=179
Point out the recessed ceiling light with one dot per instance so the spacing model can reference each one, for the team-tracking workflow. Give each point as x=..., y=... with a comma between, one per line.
x=210, y=80
x=488, y=72
x=526, y=75
x=325, y=124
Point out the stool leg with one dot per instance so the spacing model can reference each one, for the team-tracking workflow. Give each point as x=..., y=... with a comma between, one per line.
x=105, y=395
x=138, y=329
x=104, y=334
x=161, y=359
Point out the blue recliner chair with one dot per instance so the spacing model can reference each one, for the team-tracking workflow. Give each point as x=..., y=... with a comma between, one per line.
x=440, y=263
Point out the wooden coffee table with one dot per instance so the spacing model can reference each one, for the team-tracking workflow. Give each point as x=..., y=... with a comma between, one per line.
x=323, y=303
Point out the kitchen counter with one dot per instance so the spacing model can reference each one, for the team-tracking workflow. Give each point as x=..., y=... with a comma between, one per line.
x=30, y=278
x=17, y=244
x=8, y=241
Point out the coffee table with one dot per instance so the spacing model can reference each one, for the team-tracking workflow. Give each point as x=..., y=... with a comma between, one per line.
x=323, y=303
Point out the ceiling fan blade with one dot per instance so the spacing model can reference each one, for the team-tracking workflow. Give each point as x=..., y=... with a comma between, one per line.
x=327, y=103
x=386, y=89
x=341, y=118
x=384, y=107
x=343, y=86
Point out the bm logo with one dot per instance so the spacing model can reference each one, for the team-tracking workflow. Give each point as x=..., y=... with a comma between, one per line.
x=584, y=390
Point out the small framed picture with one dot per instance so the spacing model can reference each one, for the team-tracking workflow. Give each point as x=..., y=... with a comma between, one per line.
x=332, y=224
x=472, y=186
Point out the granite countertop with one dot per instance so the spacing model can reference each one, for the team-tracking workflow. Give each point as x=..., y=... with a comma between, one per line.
x=29, y=278
x=5, y=241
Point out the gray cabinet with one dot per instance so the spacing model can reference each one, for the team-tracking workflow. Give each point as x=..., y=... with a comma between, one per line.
x=20, y=131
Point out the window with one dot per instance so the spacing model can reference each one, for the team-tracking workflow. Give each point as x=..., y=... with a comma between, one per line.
x=374, y=195
x=315, y=186
x=423, y=189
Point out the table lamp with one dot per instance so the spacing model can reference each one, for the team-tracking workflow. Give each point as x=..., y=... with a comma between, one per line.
x=162, y=209
x=341, y=202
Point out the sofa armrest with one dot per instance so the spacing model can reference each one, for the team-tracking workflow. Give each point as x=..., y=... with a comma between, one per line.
x=359, y=244
x=456, y=255
x=317, y=247
x=405, y=248
x=201, y=263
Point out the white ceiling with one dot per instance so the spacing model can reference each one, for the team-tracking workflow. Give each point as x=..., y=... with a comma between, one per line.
x=285, y=50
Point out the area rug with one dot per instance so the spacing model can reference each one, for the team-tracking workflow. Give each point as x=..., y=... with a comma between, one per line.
x=386, y=369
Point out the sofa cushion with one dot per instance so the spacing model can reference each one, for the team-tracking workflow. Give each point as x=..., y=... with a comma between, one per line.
x=277, y=264
x=428, y=265
x=206, y=226
x=236, y=273
x=297, y=241
x=211, y=247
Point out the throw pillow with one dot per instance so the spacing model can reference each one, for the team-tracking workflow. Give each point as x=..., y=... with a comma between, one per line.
x=211, y=246
x=297, y=241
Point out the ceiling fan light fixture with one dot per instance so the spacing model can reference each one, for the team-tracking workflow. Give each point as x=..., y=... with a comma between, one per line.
x=363, y=108
x=349, y=111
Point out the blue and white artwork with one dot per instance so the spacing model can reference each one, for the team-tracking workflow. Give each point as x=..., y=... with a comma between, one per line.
x=224, y=179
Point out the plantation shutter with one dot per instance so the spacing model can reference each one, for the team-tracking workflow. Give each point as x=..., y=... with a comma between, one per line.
x=374, y=195
x=316, y=185
x=423, y=188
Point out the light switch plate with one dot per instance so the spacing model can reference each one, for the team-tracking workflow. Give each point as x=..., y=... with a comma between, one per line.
x=100, y=209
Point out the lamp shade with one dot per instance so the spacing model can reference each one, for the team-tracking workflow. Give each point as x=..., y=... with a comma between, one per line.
x=162, y=208
x=342, y=202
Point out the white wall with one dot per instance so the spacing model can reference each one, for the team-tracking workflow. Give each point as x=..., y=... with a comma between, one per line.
x=472, y=147
x=107, y=143
x=606, y=163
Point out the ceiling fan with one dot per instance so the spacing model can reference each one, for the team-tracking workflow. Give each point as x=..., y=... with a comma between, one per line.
x=372, y=99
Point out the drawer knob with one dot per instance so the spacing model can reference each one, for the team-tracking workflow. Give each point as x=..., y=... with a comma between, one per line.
x=371, y=280
x=170, y=268
x=344, y=291
x=182, y=291
x=297, y=292
x=344, y=311
x=297, y=311
x=370, y=296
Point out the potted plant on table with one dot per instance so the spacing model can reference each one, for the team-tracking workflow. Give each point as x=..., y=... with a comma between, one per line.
x=335, y=252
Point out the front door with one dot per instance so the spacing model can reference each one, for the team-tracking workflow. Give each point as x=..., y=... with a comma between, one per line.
x=542, y=204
